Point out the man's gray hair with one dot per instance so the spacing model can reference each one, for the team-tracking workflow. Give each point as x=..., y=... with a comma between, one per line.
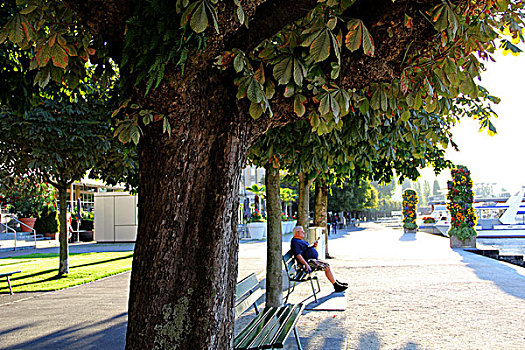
x=297, y=228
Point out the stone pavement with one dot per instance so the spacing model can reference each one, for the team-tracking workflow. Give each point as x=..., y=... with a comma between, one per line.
x=407, y=291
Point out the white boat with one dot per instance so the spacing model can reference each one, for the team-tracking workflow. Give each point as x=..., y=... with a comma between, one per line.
x=499, y=220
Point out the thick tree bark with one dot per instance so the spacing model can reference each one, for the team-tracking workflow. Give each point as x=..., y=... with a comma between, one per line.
x=63, y=268
x=185, y=262
x=303, y=210
x=274, y=247
x=321, y=205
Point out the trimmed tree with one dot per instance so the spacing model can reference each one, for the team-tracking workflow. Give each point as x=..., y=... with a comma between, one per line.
x=410, y=201
x=460, y=198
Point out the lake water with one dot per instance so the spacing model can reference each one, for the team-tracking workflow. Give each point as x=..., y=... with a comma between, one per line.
x=514, y=246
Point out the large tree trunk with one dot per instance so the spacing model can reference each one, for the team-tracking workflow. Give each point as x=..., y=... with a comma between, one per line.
x=185, y=262
x=63, y=268
x=321, y=205
x=274, y=248
x=303, y=210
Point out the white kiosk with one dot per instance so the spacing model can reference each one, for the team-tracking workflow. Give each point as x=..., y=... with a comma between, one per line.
x=116, y=217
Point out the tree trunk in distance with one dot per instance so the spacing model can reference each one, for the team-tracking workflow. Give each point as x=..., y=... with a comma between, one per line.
x=303, y=210
x=63, y=268
x=321, y=205
x=274, y=247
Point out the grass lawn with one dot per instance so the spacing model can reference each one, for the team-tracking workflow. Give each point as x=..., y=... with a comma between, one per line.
x=39, y=271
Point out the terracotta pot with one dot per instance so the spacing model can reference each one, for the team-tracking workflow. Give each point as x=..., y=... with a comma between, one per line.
x=27, y=221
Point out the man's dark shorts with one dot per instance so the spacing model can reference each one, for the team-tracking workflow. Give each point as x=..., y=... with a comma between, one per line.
x=318, y=265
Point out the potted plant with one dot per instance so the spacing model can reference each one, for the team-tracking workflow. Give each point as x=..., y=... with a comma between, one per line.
x=462, y=216
x=410, y=201
x=256, y=225
x=27, y=198
x=429, y=220
x=47, y=223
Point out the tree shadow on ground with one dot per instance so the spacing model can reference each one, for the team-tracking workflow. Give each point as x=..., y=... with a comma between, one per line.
x=371, y=341
x=112, y=335
x=20, y=278
x=408, y=237
x=509, y=278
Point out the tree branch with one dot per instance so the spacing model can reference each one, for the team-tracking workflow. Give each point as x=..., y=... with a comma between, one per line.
x=105, y=18
x=269, y=18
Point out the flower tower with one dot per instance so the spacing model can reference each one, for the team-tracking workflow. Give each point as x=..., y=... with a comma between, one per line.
x=462, y=216
x=410, y=201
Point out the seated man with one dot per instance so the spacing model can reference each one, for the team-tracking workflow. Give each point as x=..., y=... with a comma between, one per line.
x=307, y=256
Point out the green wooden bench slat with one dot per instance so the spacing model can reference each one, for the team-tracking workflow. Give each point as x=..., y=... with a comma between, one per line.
x=263, y=338
x=245, y=286
x=247, y=302
x=289, y=260
x=288, y=326
x=245, y=338
x=273, y=323
x=270, y=328
x=277, y=327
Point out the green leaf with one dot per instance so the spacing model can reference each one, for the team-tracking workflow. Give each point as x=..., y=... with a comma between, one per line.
x=358, y=35
x=282, y=71
x=384, y=100
x=289, y=91
x=375, y=102
x=428, y=87
x=405, y=116
x=199, y=19
x=254, y=91
x=256, y=110
x=320, y=48
x=336, y=69
x=238, y=62
x=354, y=38
x=332, y=22
x=324, y=104
x=298, y=105
x=213, y=11
x=418, y=101
x=134, y=134
x=59, y=56
x=29, y=9
x=270, y=89
x=368, y=43
x=3, y=35
x=240, y=14
x=184, y=18
x=43, y=56
x=166, y=127
x=467, y=87
x=299, y=71
x=364, y=106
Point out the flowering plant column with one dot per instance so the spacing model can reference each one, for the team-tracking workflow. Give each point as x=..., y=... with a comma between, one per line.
x=410, y=201
x=460, y=198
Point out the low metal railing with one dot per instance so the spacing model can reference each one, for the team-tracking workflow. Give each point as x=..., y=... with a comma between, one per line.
x=7, y=230
x=21, y=224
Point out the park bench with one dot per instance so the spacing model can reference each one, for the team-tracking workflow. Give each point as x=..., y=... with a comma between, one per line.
x=8, y=275
x=297, y=275
x=271, y=327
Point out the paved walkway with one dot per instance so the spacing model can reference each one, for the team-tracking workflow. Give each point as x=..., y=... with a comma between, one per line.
x=407, y=291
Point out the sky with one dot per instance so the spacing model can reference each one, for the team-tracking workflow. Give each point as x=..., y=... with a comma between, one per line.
x=495, y=159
